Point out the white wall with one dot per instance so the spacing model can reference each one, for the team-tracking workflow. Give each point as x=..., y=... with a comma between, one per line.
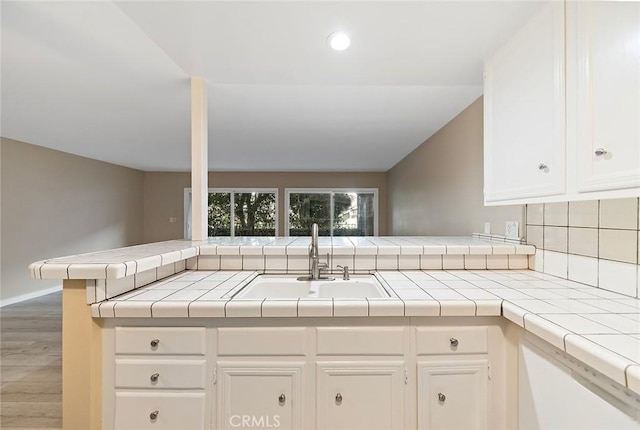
x=56, y=204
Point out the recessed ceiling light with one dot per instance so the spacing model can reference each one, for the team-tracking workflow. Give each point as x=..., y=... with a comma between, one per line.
x=339, y=41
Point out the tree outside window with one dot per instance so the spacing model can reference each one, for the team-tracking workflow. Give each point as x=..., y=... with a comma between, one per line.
x=336, y=213
x=254, y=214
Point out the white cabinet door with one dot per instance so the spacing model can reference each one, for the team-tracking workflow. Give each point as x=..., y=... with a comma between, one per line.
x=603, y=43
x=524, y=111
x=360, y=395
x=260, y=395
x=452, y=395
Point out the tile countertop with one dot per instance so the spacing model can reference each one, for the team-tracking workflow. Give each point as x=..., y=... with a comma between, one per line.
x=599, y=328
x=122, y=262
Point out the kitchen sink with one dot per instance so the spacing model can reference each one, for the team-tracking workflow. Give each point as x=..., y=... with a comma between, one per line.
x=289, y=287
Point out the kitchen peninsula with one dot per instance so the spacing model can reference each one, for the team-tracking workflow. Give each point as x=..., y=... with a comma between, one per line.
x=459, y=335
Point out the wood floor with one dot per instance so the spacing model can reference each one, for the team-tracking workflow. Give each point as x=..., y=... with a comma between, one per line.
x=31, y=364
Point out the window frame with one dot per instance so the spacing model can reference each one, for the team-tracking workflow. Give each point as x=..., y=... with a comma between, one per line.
x=331, y=191
x=188, y=206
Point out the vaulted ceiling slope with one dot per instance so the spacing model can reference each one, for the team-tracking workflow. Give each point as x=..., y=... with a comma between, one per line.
x=110, y=80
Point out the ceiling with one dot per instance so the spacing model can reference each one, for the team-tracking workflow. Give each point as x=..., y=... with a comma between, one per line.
x=110, y=80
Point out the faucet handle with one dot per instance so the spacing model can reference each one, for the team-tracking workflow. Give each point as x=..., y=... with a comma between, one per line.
x=345, y=272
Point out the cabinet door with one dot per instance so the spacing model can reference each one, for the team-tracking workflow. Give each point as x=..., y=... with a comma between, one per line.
x=360, y=395
x=452, y=395
x=260, y=395
x=604, y=47
x=524, y=111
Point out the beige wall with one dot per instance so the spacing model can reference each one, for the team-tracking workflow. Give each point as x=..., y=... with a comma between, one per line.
x=56, y=204
x=438, y=188
x=164, y=194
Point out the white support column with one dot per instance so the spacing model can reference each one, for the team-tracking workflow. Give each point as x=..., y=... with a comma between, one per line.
x=199, y=160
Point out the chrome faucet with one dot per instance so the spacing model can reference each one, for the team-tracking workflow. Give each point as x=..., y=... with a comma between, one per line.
x=313, y=254
x=314, y=259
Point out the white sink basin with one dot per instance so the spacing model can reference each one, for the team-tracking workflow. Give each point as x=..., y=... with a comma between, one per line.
x=353, y=288
x=289, y=287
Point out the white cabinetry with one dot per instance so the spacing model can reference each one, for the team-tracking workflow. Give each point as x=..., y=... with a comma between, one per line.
x=452, y=394
x=164, y=411
x=452, y=373
x=159, y=379
x=361, y=378
x=260, y=395
x=360, y=395
x=314, y=376
x=536, y=110
x=261, y=377
x=603, y=39
x=524, y=111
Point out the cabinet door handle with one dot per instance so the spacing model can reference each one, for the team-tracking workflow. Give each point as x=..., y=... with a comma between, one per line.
x=454, y=342
x=543, y=167
x=155, y=377
x=154, y=415
x=155, y=343
x=282, y=398
x=441, y=397
x=338, y=398
x=600, y=152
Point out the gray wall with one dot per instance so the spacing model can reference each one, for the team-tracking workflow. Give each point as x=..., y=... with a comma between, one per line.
x=438, y=188
x=56, y=204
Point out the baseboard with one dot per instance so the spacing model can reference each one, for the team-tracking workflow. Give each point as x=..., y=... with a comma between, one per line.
x=29, y=296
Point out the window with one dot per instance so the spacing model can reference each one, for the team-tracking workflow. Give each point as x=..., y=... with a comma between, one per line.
x=238, y=212
x=337, y=212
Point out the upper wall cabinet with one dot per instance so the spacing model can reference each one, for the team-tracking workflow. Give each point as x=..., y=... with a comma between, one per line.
x=524, y=108
x=603, y=93
x=536, y=111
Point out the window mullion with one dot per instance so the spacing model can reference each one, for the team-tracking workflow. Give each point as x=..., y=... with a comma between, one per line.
x=331, y=210
x=232, y=218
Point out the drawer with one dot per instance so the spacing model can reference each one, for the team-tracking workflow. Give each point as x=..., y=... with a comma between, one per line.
x=160, y=340
x=161, y=374
x=361, y=340
x=184, y=411
x=262, y=341
x=451, y=340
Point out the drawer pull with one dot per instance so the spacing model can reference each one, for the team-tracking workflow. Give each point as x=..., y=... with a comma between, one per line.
x=454, y=342
x=155, y=343
x=154, y=415
x=441, y=397
x=600, y=152
x=543, y=167
x=282, y=398
x=155, y=377
x=338, y=398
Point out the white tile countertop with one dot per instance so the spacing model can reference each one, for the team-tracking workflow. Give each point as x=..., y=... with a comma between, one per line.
x=123, y=262
x=600, y=328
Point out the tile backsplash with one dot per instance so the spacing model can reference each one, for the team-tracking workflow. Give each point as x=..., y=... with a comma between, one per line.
x=594, y=242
